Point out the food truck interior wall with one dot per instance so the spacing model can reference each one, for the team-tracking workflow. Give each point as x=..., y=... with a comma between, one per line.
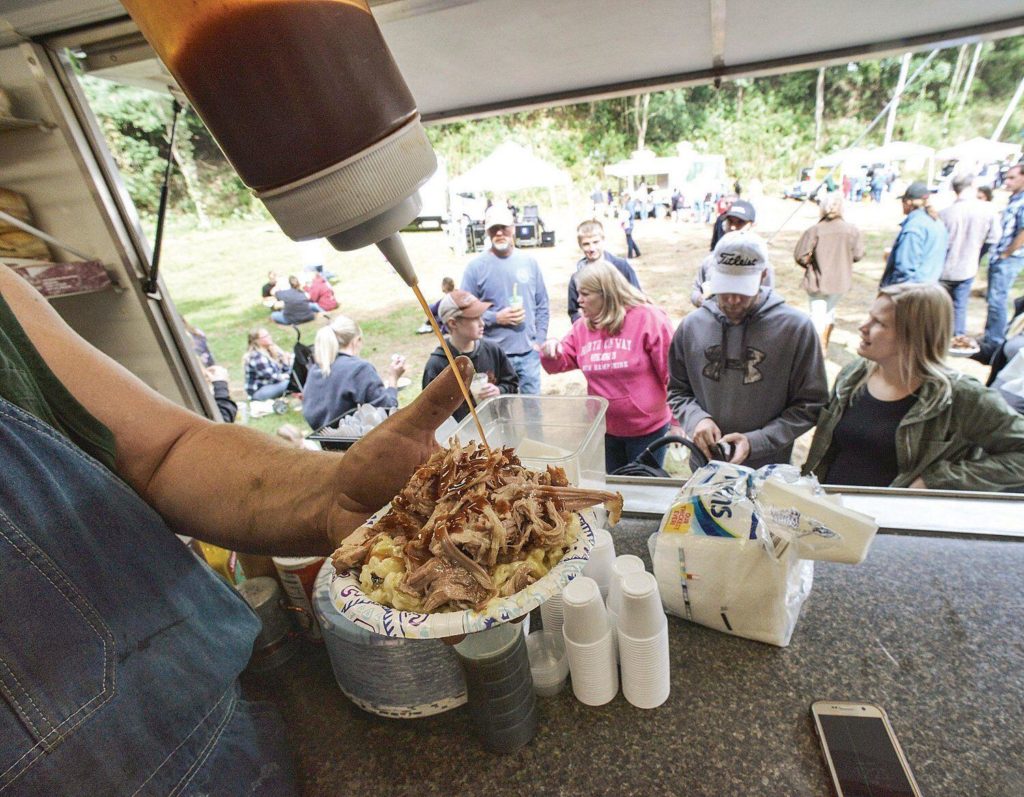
x=547, y=57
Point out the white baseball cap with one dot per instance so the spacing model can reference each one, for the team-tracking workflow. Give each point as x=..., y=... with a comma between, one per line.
x=498, y=216
x=740, y=259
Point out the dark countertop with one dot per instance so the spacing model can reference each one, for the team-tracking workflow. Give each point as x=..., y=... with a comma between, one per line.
x=929, y=628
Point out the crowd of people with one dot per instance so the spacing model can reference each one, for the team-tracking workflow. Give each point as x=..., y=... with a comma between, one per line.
x=743, y=374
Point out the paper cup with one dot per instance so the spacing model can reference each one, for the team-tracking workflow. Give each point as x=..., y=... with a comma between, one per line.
x=584, y=615
x=297, y=576
x=349, y=599
x=594, y=670
x=599, y=565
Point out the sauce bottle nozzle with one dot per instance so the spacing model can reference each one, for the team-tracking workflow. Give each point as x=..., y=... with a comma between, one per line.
x=394, y=250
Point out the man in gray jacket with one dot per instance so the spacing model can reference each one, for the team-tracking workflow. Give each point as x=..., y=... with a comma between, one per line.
x=746, y=369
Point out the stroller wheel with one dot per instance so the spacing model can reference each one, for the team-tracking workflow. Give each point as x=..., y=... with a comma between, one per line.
x=280, y=407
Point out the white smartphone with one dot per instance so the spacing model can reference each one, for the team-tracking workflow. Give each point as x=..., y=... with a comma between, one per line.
x=861, y=751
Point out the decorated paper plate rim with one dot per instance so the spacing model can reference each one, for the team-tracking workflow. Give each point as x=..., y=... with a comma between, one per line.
x=349, y=599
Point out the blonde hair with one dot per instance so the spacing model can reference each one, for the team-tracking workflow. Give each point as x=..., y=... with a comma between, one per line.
x=331, y=339
x=589, y=227
x=831, y=206
x=923, y=323
x=603, y=278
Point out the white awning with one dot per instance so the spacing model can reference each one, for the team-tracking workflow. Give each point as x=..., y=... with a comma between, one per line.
x=510, y=168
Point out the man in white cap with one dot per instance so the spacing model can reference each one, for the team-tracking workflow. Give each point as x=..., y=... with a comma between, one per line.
x=746, y=369
x=512, y=283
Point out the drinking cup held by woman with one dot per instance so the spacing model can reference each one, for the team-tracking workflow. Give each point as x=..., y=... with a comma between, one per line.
x=900, y=418
x=621, y=345
x=267, y=367
x=340, y=380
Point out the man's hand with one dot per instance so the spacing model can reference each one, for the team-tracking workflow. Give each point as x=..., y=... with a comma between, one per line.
x=740, y=447
x=510, y=316
x=380, y=464
x=705, y=435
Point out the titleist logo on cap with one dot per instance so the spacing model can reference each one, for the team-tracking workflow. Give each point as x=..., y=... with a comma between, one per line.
x=736, y=259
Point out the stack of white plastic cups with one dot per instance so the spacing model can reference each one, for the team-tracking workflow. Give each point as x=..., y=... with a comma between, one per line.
x=589, y=643
x=551, y=613
x=643, y=641
x=599, y=565
x=621, y=567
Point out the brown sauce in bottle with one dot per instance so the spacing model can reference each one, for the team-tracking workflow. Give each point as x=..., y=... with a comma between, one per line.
x=288, y=88
x=451, y=362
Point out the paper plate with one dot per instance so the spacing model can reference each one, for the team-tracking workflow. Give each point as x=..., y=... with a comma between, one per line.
x=349, y=599
x=403, y=382
x=964, y=352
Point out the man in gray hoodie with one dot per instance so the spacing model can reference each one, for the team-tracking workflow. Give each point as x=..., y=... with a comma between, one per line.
x=745, y=369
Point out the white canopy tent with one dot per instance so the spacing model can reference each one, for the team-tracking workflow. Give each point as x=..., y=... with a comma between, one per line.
x=978, y=150
x=510, y=167
x=851, y=158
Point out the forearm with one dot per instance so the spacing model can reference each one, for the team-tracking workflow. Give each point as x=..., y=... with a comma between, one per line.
x=246, y=491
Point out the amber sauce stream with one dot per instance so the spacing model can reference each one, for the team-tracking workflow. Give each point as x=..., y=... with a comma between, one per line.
x=451, y=361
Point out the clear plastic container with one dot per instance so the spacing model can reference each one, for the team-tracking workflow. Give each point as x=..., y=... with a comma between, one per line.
x=549, y=664
x=566, y=431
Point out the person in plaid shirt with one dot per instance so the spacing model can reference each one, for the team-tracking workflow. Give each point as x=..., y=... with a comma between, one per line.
x=267, y=367
x=1005, y=263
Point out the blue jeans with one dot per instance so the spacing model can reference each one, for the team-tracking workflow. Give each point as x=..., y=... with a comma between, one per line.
x=632, y=250
x=959, y=292
x=272, y=391
x=619, y=451
x=120, y=649
x=527, y=368
x=278, y=316
x=1001, y=275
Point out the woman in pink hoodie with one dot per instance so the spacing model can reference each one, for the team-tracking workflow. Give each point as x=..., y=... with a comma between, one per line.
x=621, y=344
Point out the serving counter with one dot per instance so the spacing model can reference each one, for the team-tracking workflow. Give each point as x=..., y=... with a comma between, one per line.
x=929, y=628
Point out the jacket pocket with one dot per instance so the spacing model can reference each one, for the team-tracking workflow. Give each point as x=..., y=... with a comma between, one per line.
x=56, y=654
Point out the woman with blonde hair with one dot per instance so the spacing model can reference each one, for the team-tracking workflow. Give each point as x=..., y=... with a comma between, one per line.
x=267, y=367
x=339, y=380
x=621, y=345
x=900, y=417
x=827, y=252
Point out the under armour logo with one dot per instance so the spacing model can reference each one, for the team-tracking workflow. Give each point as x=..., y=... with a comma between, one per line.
x=716, y=362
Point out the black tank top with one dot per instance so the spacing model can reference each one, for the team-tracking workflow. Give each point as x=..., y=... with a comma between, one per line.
x=864, y=441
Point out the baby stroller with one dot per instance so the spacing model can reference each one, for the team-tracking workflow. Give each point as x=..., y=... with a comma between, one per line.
x=647, y=465
x=302, y=360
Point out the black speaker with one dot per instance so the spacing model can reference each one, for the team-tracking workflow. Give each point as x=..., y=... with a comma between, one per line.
x=547, y=238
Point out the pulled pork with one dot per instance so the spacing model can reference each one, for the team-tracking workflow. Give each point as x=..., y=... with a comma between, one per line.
x=463, y=515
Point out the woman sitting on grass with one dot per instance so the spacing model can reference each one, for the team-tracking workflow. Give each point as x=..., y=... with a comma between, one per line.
x=900, y=418
x=340, y=380
x=267, y=367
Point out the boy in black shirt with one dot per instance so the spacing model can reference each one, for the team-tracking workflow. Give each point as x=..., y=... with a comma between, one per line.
x=462, y=313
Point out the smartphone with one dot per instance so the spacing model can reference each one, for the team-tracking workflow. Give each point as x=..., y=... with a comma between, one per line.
x=861, y=751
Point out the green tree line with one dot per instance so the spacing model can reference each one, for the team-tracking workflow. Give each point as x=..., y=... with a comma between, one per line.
x=765, y=127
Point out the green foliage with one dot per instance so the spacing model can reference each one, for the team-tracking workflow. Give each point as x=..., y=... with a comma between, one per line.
x=764, y=126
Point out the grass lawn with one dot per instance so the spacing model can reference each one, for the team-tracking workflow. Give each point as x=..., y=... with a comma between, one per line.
x=214, y=277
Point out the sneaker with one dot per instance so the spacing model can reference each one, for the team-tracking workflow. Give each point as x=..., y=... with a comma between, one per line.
x=424, y=328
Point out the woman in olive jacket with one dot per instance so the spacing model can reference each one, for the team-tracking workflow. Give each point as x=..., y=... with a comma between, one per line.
x=900, y=418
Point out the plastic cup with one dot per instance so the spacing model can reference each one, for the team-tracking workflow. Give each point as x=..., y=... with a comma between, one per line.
x=585, y=619
x=549, y=663
x=551, y=613
x=627, y=563
x=599, y=565
x=641, y=614
x=595, y=674
x=646, y=675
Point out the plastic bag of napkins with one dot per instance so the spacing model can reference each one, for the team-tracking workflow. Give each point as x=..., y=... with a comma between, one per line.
x=734, y=549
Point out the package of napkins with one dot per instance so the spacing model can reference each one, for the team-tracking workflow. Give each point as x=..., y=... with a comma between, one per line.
x=734, y=550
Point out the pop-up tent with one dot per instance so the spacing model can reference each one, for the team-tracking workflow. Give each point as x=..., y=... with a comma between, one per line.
x=848, y=159
x=978, y=150
x=510, y=168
